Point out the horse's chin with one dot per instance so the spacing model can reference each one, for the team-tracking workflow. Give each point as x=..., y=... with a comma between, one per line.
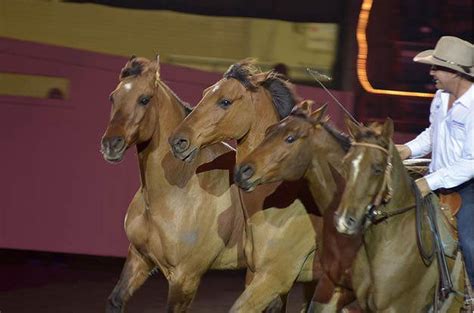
x=248, y=186
x=114, y=159
x=187, y=156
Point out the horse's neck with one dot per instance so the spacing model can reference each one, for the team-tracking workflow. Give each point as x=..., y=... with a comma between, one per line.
x=402, y=195
x=265, y=115
x=325, y=171
x=155, y=154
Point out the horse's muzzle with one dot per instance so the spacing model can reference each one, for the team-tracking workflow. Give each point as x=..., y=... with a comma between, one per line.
x=113, y=148
x=346, y=224
x=242, y=175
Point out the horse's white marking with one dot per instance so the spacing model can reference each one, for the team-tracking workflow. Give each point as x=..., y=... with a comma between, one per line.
x=356, y=166
x=127, y=86
x=215, y=88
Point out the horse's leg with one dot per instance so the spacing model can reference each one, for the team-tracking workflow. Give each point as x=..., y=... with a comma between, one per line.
x=134, y=273
x=182, y=289
x=262, y=290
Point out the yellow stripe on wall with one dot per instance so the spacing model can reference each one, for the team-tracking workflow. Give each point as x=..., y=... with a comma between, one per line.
x=34, y=86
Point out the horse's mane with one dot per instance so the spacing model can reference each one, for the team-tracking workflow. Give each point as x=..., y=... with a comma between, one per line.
x=283, y=96
x=342, y=138
x=137, y=66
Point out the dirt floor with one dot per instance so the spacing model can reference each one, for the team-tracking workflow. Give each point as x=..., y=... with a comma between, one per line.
x=42, y=282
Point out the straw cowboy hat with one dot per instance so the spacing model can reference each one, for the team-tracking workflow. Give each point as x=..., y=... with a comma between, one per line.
x=450, y=52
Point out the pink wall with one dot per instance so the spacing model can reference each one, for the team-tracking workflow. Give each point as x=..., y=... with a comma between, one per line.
x=57, y=192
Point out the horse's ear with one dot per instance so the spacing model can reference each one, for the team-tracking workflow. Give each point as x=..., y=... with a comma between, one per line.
x=352, y=127
x=388, y=128
x=318, y=115
x=305, y=106
x=157, y=73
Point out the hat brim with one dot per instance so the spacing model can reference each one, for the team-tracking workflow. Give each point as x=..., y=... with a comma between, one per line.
x=426, y=57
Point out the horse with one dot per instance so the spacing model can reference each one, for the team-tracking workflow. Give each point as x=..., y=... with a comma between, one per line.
x=389, y=273
x=281, y=228
x=305, y=145
x=185, y=218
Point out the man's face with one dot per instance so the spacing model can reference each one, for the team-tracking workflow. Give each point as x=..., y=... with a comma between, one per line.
x=442, y=77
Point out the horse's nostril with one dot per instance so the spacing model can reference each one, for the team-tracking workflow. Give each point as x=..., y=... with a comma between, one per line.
x=180, y=144
x=117, y=143
x=246, y=171
x=351, y=221
x=113, y=144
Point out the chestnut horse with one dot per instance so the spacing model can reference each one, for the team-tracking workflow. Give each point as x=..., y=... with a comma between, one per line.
x=305, y=145
x=389, y=274
x=186, y=217
x=281, y=228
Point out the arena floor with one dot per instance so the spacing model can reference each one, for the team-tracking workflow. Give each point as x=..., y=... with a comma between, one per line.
x=42, y=282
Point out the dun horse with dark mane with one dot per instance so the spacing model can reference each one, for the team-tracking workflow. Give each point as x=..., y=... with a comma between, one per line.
x=241, y=106
x=186, y=217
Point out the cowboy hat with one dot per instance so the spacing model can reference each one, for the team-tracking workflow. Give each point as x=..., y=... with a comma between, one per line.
x=450, y=52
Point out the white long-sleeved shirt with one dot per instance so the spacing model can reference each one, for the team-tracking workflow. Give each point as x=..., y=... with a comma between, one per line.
x=450, y=139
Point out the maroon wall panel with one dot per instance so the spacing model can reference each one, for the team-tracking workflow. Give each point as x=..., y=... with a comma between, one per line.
x=57, y=193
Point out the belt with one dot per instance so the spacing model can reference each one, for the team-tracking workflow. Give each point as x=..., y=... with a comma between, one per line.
x=446, y=191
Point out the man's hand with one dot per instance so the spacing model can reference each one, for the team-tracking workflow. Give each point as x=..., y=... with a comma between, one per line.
x=404, y=151
x=423, y=186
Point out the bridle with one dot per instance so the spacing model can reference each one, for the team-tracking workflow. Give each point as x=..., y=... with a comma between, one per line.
x=386, y=191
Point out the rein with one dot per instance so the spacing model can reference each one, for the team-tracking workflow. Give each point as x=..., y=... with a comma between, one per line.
x=377, y=216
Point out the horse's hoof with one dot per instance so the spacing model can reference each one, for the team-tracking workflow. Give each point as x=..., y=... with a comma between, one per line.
x=113, y=308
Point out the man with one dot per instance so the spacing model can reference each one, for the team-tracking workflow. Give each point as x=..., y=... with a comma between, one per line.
x=450, y=136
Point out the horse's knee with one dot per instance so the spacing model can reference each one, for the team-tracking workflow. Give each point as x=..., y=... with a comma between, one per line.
x=181, y=293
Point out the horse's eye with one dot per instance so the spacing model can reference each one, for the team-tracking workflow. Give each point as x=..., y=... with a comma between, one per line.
x=225, y=103
x=144, y=100
x=377, y=169
x=111, y=98
x=290, y=139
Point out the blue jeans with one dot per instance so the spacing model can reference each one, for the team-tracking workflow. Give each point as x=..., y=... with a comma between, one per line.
x=465, y=221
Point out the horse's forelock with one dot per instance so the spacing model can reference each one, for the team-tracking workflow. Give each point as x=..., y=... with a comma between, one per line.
x=134, y=67
x=242, y=71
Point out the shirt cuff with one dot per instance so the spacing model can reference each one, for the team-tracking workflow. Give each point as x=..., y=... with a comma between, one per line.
x=434, y=180
x=414, y=148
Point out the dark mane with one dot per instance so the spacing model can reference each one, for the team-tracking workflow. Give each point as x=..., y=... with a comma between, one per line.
x=284, y=99
x=343, y=139
x=242, y=72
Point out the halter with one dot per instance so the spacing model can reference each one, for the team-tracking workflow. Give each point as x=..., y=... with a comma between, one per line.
x=386, y=191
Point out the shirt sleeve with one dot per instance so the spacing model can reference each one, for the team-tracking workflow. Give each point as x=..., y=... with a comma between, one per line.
x=462, y=169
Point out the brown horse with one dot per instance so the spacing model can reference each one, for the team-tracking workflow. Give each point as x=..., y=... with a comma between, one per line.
x=389, y=274
x=305, y=145
x=186, y=217
x=281, y=227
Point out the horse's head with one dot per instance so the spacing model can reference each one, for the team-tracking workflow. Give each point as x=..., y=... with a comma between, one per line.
x=368, y=181
x=226, y=110
x=132, y=120
x=286, y=151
